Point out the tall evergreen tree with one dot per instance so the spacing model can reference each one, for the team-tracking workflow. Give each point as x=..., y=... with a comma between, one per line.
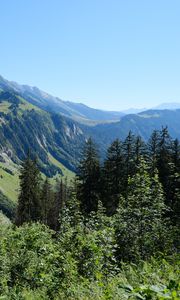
x=88, y=178
x=139, y=222
x=47, y=201
x=164, y=163
x=112, y=177
x=28, y=208
x=153, y=151
x=140, y=150
x=176, y=155
x=174, y=184
x=129, y=158
x=59, y=202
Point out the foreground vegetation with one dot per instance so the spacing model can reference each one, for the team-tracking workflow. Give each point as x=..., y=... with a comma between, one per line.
x=113, y=235
x=75, y=265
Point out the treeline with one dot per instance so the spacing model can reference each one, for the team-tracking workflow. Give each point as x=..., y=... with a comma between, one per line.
x=115, y=230
x=161, y=155
x=138, y=185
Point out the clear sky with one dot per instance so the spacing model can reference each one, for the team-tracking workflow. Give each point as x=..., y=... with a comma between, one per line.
x=109, y=54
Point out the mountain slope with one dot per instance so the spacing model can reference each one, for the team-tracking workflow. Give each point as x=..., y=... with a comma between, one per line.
x=141, y=124
x=170, y=106
x=51, y=136
x=24, y=126
x=76, y=111
x=56, y=139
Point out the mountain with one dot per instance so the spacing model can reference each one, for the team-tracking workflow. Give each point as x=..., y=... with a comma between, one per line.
x=94, y=114
x=29, y=118
x=56, y=141
x=27, y=122
x=24, y=126
x=141, y=124
x=133, y=110
x=76, y=111
x=170, y=106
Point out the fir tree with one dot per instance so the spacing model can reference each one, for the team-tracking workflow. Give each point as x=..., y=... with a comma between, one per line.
x=164, y=163
x=140, y=150
x=129, y=158
x=46, y=202
x=112, y=177
x=139, y=220
x=153, y=151
x=28, y=208
x=174, y=184
x=59, y=202
x=88, y=178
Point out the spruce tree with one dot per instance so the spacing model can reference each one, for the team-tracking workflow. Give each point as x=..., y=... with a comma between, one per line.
x=47, y=201
x=140, y=150
x=164, y=163
x=28, y=208
x=88, y=177
x=139, y=220
x=112, y=177
x=174, y=184
x=129, y=158
x=59, y=202
x=153, y=151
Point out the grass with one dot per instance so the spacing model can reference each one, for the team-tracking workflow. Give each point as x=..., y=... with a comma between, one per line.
x=9, y=177
x=66, y=173
x=9, y=183
x=4, y=107
x=4, y=220
x=24, y=105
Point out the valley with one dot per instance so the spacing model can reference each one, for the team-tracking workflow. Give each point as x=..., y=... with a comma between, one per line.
x=56, y=130
x=90, y=150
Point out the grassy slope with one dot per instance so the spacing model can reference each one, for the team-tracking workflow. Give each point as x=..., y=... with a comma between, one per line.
x=4, y=220
x=24, y=105
x=9, y=172
x=4, y=107
x=67, y=173
x=9, y=184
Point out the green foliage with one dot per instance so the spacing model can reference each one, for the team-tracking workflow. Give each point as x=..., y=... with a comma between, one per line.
x=28, y=208
x=139, y=221
x=36, y=265
x=9, y=178
x=89, y=178
x=46, y=203
x=7, y=206
x=23, y=126
x=96, y=252
x=112, y=177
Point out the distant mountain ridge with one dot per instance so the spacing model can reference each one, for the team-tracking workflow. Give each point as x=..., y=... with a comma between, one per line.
x=132, y=110
x=142, y=124
x=169, y=106
x=76, y=111
x=28, y=121
x=71, y=122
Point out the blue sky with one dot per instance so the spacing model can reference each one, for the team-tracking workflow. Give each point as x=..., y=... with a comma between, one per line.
x=109, y=54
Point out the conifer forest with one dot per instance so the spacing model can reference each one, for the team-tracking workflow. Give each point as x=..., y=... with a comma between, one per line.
x=111, y=233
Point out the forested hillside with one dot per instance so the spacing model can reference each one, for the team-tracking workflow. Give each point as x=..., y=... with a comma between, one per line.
x=56, y=139
x=112, y=234
x=24, y=126
x=140, y=124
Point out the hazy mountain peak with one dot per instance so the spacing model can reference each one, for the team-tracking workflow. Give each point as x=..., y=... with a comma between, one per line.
x=133, y=110
x=170, y=106
x=77, y=111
